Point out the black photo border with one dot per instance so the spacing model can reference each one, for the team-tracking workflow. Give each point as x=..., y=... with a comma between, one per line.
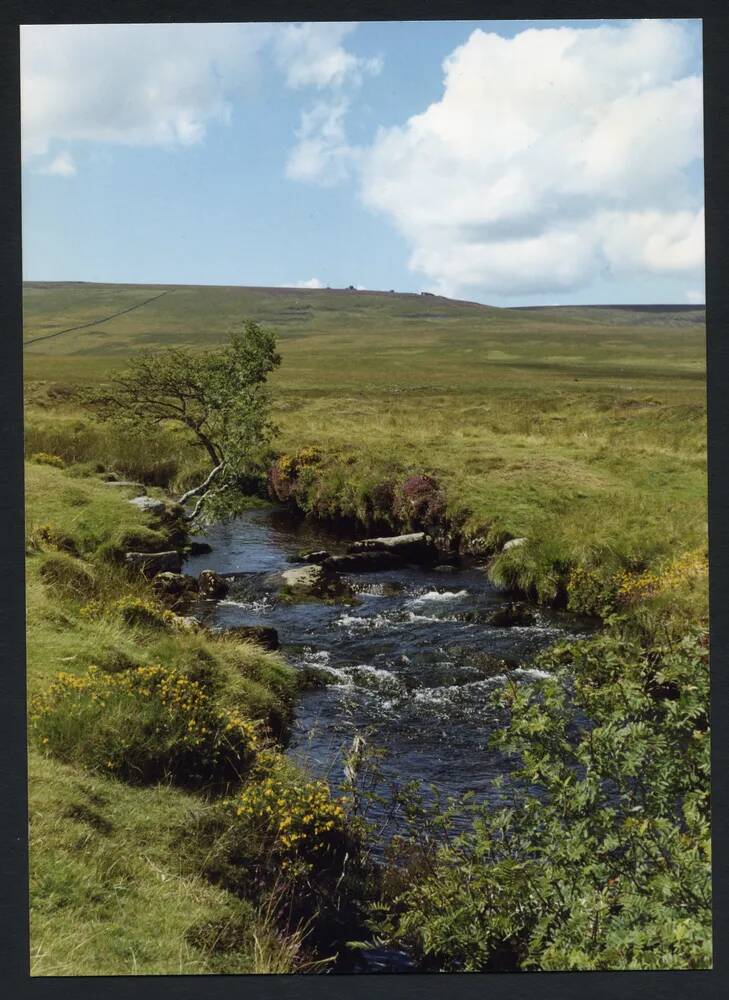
x=15, y=980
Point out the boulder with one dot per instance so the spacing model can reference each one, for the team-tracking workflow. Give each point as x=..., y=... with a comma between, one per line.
x=262, y=635
x=148, y=504
x=512, y=614
x=444, y=568
x=212, y=585
x=416, y=547
x=364, y=561
x=309, y=578
x=317, y=557
x=200, y=548
x=514, y=543
x=152, y=563
x=175, y=585
x=313, y=581
x=311, y=678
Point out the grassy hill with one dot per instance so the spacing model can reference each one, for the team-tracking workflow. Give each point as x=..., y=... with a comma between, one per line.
x=584, y=425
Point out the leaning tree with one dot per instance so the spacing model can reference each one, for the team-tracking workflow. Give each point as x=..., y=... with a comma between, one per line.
x=219, y=398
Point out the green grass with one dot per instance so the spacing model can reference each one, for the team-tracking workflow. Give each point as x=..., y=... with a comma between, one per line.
x=117, y=887
x=582, y=429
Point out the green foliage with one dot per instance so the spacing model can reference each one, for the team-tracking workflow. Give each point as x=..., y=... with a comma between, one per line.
x=144, y=725
x=537, y=568
x=603, y=859
x=218, y=398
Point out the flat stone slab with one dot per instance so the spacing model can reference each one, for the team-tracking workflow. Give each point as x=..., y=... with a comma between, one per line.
x=148, y=504
x=152, y=563
x=320, y=582
x=415, y=547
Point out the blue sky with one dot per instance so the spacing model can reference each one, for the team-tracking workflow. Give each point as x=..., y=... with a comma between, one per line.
x=545, y=162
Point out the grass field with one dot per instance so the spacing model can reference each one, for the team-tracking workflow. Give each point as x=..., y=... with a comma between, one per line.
x=582, y=429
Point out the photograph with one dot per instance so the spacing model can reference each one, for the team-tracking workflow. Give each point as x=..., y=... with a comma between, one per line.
x=365, y=492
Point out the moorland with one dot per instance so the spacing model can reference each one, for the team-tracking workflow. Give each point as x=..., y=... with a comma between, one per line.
x=580, y=431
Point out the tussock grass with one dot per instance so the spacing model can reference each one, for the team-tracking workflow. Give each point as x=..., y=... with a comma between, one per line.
x=113, y=888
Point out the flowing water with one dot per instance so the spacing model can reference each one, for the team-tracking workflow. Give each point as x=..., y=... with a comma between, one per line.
x=410, y=665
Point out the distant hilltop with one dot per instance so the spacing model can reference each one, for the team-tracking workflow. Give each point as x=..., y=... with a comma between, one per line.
x=656, y=308
x=92, y=318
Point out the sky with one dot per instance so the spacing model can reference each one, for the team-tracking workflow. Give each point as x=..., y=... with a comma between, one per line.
x=505, y=162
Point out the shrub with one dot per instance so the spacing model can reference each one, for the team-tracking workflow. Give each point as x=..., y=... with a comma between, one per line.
x=593, y=590
x=295, y=823
x=44, y=458
x=279, y=823
x=284, y=473
x=420, y=502
x=144, y=726
x=686, y=568
x=133, y=610
x=603, y=859
x=71, y=577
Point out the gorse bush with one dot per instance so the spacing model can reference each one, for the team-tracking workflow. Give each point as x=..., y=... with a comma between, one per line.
x=689, y=567
x=279, y=827
x=144, y=725
x=284, y=837
x=47, y=536
x=294, y=823
x=133, y=610
x=603, y=860
x=44, y=458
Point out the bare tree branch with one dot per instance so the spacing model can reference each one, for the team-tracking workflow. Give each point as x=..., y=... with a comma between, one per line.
x=199, y=489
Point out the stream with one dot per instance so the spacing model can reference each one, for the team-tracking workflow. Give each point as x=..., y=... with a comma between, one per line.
x=410, y=666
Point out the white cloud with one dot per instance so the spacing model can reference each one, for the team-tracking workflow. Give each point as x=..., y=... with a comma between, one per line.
x=311, y=283
x=552, y=157
x=61, y=165
x=311, y=55
x=322, y=154
x=163, y=84
x=695, y=295
x=136, y=84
